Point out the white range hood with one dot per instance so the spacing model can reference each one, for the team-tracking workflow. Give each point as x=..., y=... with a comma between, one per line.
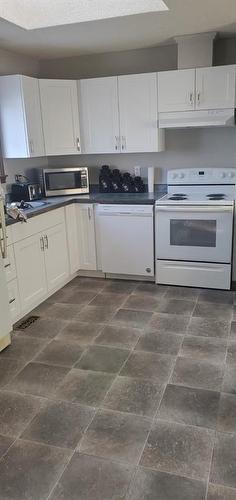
x=198, y=118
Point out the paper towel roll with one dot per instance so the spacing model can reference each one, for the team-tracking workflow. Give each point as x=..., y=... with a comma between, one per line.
x=150, y=179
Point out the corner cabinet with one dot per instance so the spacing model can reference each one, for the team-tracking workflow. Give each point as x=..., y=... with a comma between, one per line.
x=98, y=98
x=86, y=237
x=120, y=115
x=20, y=117
x=60, y=114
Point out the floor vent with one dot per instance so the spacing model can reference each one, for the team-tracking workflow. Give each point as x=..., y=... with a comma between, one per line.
x=26, y=323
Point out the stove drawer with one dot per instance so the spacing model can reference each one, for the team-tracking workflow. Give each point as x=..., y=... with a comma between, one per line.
x=194, y=274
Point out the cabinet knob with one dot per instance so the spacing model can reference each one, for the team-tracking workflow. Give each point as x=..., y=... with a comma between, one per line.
x=78, y=143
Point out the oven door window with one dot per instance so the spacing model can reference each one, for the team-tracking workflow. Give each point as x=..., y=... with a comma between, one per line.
x=63, y=180
x=193, y=232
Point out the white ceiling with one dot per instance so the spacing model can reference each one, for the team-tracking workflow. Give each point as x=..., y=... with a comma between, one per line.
x=120, y=33
x=33, y=14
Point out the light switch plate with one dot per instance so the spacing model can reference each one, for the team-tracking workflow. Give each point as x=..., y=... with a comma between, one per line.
x=137, y=171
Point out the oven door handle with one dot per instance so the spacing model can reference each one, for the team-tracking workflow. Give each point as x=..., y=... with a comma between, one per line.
x=188, y=208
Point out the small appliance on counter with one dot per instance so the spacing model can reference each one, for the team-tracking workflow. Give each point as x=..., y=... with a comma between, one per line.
x=25, y=190
x=65, y=181
x=113, y=181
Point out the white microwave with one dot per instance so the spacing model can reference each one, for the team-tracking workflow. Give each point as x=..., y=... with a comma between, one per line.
x=65, y=181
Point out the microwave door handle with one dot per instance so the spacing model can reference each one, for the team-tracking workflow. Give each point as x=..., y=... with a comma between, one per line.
x=188, y=208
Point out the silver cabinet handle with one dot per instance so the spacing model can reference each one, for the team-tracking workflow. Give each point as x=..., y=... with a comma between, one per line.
x=78, y=143
x=42, y=243
x=3, y=230
x=191, y=98
x=116, y=142
x=31, y=146
x=46, y=242
x=198, y=97
x=89, y=213
x=11, y=301
x=7, y=265
x=123, y=142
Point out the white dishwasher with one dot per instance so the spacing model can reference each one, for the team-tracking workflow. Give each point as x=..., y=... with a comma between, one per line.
x=126, y=239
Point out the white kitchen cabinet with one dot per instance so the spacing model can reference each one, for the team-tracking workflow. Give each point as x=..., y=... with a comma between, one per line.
x=31, y=272
x=138, y=113
x=215, y=87
x=86, y=237
x=20, y=117
x=60, y=113
x=56, y=256
x=72, y=237
x=176, y=90
x=99, y=116
x=14, y=299
x=9, y=264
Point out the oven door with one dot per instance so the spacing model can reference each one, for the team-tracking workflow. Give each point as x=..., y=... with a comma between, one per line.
x=194, y=233
x=65, y=181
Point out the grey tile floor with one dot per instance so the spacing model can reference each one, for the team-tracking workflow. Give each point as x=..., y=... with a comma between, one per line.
x=121, y=391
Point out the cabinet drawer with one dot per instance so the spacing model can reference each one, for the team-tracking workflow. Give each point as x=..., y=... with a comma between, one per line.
x=14, y=299
x=9, y=264
x=37, y=224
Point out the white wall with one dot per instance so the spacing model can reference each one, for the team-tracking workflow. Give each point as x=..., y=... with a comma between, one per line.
x=184, y=148
x=12, y=63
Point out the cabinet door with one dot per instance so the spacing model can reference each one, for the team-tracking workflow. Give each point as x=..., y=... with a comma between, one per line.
x=72, y=237
x=86, y=237
x=33, y=117
x=30, y=266
x=138, y=112
x=215, y=87
x=59, y=100
x=56, y=256
x=99, y=116
x=176, y=90
x=20, y=117
x=14, y=299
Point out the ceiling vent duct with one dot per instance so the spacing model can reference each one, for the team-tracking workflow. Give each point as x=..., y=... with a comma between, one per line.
x=195, y=51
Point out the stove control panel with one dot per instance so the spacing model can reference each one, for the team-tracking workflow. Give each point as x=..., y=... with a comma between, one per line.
x=194, y=176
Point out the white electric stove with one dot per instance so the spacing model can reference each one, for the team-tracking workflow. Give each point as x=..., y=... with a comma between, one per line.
x=194, y=228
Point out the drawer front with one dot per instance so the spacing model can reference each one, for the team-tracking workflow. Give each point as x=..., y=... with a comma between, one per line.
x=14, y=299
x=37, y=224
x=9, y=264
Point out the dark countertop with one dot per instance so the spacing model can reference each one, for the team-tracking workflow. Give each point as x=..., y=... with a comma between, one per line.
x=105, y=198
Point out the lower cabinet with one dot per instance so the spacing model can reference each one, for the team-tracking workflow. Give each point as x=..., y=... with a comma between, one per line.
x=56, y=256
x=42, y=264
x=14, y=299
x=31, y=271
x=86, y=237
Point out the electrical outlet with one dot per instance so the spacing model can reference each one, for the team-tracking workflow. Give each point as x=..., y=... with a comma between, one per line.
x=137, y=171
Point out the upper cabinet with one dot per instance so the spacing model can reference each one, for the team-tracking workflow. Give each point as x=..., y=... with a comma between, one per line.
x=60, y=113
x=176, y=90
x=119, y=114
x=215, y=87
x=98, y=98
x=20, y=117
x=196, y=89
x=138, y=113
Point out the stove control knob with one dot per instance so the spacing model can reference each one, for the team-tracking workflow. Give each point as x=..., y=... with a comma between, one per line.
x=174, y=176
x=231, y=174
x=223, y=175
x=181, y=175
